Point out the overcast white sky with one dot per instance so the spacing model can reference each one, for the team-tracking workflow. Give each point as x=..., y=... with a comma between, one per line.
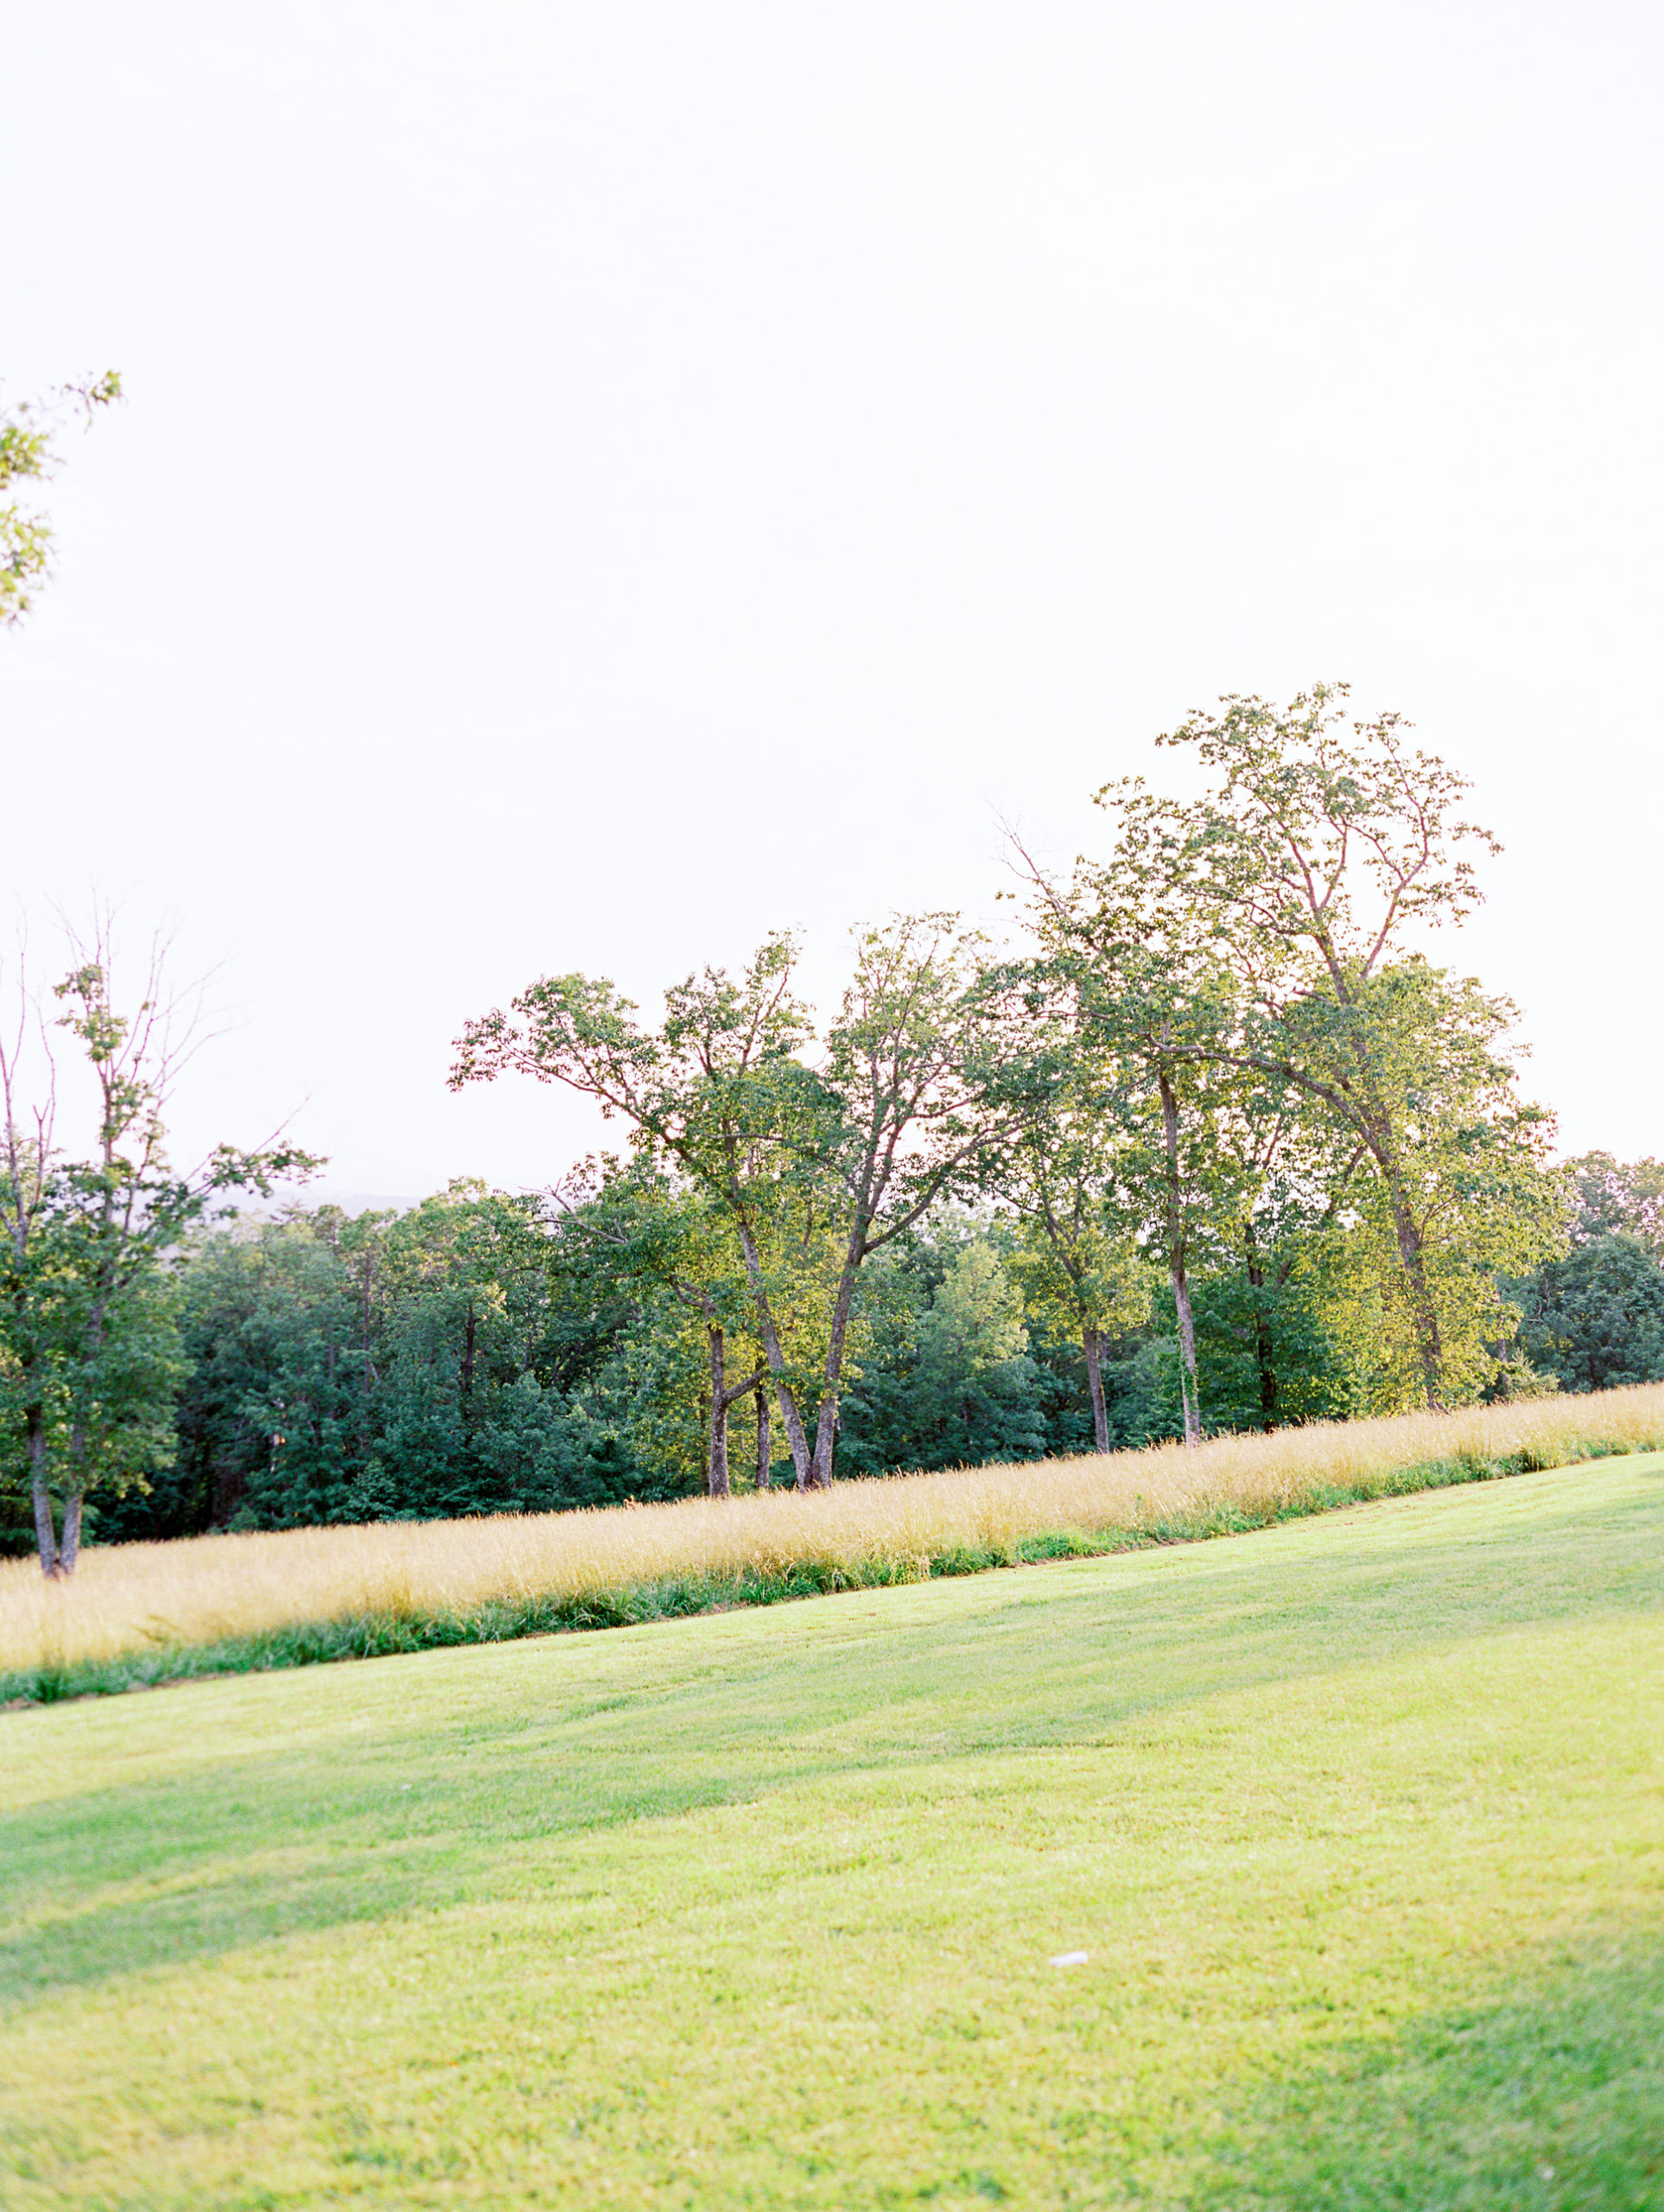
x=601, y=481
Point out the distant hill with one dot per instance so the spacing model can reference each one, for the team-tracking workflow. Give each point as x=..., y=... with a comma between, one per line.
x=325, y=1194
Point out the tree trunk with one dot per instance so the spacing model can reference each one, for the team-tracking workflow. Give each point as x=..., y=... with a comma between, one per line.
x=786, y=1398
x=69, y=1543
x=820, y=1466
x=69, y=1547
x=1429, y=1344
x=1375, y=1125
x=1376, y=1131
x=826, y=1427
x=716, y=1481
x=1269, y=1416
x=765, y=1441
x=796, y=1438
x=46, y=1541
x=1189, y=1396
x=364, y=1379
x=1263, y=1351
x=1092, y=1345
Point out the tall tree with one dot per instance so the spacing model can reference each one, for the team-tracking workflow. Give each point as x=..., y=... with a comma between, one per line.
x=1078, y=1256
x=814, y=1168
x=923, y=1061
x=661, y=1244
x=1320, y=850
x=1147, y=1012
x=945, y=1376
x=1293, y=1175
x=1595, y=1319
x=716, y=1088
x=88, y=1241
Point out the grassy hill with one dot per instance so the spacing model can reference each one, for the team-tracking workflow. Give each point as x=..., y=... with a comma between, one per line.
x=1358, y=1820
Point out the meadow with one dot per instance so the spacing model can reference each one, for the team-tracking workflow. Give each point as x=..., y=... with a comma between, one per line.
x=1353, y=1827
x=136, y=1615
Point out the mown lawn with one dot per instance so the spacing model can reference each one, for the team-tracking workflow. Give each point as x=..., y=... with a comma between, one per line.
x=1360, y=1821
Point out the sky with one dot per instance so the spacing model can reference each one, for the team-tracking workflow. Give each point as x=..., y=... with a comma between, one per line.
x=599, y=482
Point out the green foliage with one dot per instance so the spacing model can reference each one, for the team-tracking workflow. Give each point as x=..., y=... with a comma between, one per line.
x=810, y=1170
x=1259, y=928
x=947, y=1379
x=1471, y=1187
x=1247, y=1158
x=89, y=1359
x=1595, y=1319
x=457, y=1359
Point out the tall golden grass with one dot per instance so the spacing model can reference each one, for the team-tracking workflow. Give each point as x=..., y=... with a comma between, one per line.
x=213, y=1591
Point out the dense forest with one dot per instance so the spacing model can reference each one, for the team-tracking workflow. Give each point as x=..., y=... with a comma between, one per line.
x=1210, y=1143
x=477, y=1354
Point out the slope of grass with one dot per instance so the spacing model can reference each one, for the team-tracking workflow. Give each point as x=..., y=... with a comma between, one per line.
x=1359, y=1821
x=141, y=1614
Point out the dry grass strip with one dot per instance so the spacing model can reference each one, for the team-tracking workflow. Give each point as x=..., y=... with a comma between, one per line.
x=139, y=1612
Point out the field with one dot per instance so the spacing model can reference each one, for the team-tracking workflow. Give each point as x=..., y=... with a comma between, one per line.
x=139, y=1614
x=1358, y=1821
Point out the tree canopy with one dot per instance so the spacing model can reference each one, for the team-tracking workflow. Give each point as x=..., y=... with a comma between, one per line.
x=1216, y=1144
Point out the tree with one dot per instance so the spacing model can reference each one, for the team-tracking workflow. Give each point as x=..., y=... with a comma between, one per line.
x=975, y=1377
x=923, y=1061
x=1595, y=1319
x=1619, y=1198
x=26, y=453
x=1146, y=1016
x=946, y=1375
x=664, y=1246
x=1320, y=847
x=88, y=1350
x=464, y=1355
x=814, y=1168
x=1264, y=1299
x=716, y=1090
x=1078, y=1257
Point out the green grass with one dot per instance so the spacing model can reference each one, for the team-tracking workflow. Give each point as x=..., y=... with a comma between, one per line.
x=1360, y=1820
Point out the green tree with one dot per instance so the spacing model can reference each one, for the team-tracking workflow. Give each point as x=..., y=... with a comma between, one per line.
x=716, y=1090
x=1595, y=1319
x=1148, y=1017
x=974, y=1374
x=933, y=1060
x=88, y=1354
x=673, y=1262
x=461, y=1356
x=946, y=1375
x=815, y=1168
x=1077, y=1261
x=1271, y=1356
x=1318, y=848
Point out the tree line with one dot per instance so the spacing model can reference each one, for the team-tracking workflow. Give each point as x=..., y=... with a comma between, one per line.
x=1212, y=1143
x=1215, y=1143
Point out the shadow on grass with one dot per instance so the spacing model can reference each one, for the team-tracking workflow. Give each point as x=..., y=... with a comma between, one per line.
x=1542, y=2096
x=463, y=1786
